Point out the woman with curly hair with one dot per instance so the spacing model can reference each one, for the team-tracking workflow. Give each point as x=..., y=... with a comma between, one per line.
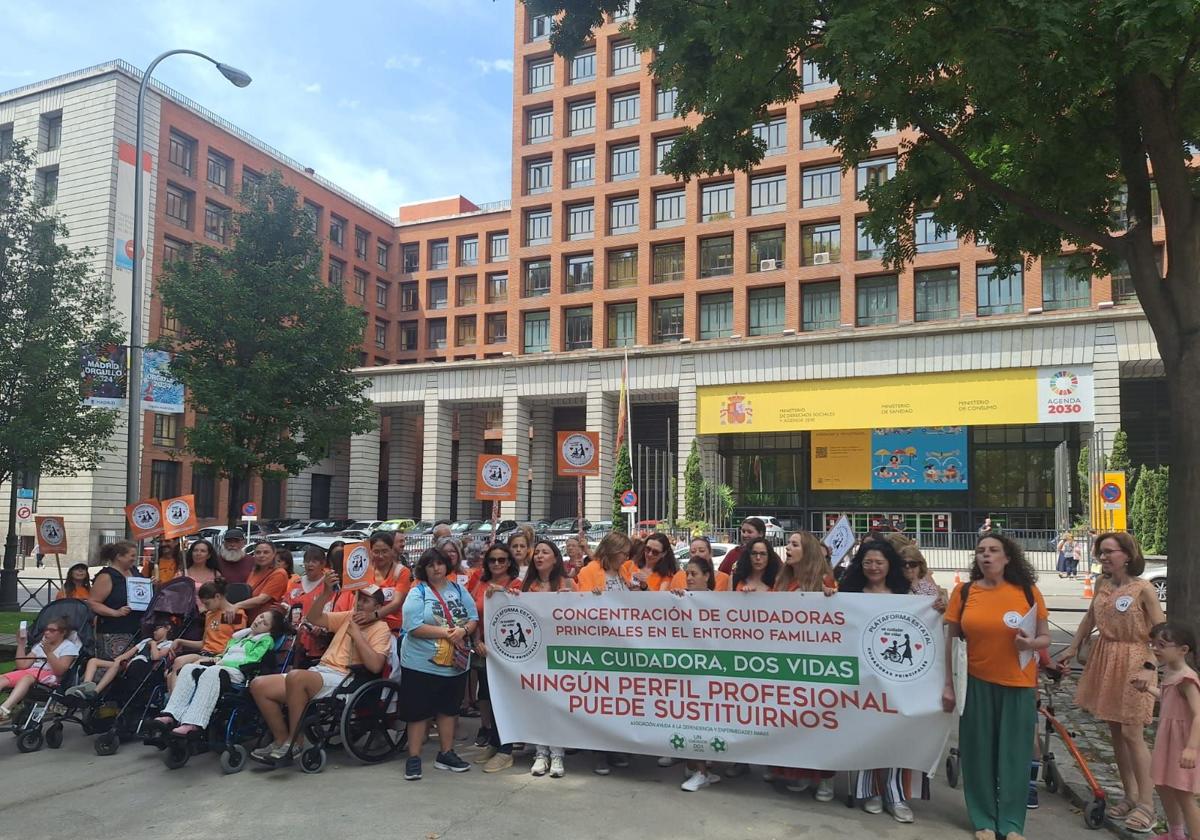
x=756, y=567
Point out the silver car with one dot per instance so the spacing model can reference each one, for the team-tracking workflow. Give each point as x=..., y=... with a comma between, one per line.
x=1156, y=573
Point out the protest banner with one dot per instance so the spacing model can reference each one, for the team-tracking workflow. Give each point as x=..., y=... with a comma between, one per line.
x=179, y=516
x=793, y=679
x=51, y=534
x=356, y=566
x=144, y=518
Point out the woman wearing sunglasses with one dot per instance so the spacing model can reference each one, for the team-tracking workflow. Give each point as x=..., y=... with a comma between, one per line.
x=658, y=565
x=500, y=572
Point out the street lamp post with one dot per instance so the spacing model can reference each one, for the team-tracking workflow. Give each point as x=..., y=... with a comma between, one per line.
x=133, y=444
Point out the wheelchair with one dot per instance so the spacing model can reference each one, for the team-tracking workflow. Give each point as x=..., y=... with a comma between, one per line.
x=361, y=716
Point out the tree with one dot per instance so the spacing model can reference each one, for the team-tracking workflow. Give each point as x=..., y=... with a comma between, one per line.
x=1035, y=125
x=672, y=500
x=52, y=311
x=265, y=349
x=1083, y=471
x=622, y=481
x=693, y=486
x=1118, y=458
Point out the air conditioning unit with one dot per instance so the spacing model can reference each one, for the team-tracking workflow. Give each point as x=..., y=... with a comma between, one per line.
x=821, y=258
x=768, y=265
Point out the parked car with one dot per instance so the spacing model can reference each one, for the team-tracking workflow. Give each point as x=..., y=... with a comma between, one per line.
x=424, y=526
x=404, y=526
x=719, y=550
x=215, y=534
x=278, y=525
x=367, y=525
x=298, y=543
x=599, y=529
x=503, y=529
x=462, y=528
x=775, y=531
x=297, y=526
x=566, y=527
x=1156, y=573
x=353, y=535
x=328, y=526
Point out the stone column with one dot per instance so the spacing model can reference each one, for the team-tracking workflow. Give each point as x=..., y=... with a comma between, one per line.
x=542, y=462
x=438, y=440
x=404, y=464
x=516, y=442
x=601, y=418
x=470, y=447
x=1106, y=372
x=363, y=490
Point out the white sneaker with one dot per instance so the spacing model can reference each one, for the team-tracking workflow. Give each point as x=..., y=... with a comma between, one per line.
x=874, y=805
x=799, y=785
x=825, y=790
x=900, y=812
x=699, y=780
x=667, y=761
x=541, y=764
x=557, y=771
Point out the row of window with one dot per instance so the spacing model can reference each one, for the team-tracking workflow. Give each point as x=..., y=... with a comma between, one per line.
x=49, y=134
x=539, y=27
x=438, y=252
x=165, y=481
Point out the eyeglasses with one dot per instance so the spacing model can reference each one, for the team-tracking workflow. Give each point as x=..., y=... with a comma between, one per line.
x=503, y=560
x=758, y=554
x=652, y=551
x=1109, y=552
x=912, y=564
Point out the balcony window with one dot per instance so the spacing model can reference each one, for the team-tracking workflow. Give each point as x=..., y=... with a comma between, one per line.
x=497, y=288
x=811, y=77
x=821, y=244
x=464, y=331
x=773, y=133
x=929, y=236
x=166, y=430
x=216, y=223
x=716, y=201
x=581, y=117
x=662, y=148
x=52, y=124
x=538, y=176
x=872, y=173
x=865, y=248
x=622, y=324
x=578, y=327
x=668, y=262
x=439, y=254
x=716, y=315
x=667, y=321
x=624, y=162
x=382, y=254
x=820, y=185
x=179, y=206
x=337, y=231
x=625, y=58
x=670, y=208
x=809, y=138
x=877, y=300
x=360, y=282
x=541, y=75
x=468, y=291
x=438, y=294
x=767, y=310
x=716, y=256
x=498, y=247
x=411, y=256
x=181, y=152
x=820, y=306
x=408, y=335
x=435, y=332
x=537, y=227
x=581, y=169
x=623, y=215
x=381, y=334
x=768, y=194
x=581, y=221
x=468, y=251
x=583, y=67
x=496, y=326
x=536, y=330
x=664, y=102
x=1066, y=283
x=381, y=293
x=936, y=294
x=337, y=273
x=540, y=126
x=537, y=278
x=625, y=109
x=540, y=27
x=996, y=295
x=218, y=171
x=361, y=243
x=622, y=268
x=579, y=271
x=410, y=299
x=766, y=250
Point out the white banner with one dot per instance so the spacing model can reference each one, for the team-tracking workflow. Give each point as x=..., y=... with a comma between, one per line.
x=849, y=682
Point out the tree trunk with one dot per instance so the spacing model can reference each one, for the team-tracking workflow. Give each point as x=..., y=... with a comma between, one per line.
x=1183, y=535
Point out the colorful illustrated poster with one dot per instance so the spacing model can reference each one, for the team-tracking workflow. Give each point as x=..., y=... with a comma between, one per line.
x=161, y=392
x=102, y=373
x=919, y=459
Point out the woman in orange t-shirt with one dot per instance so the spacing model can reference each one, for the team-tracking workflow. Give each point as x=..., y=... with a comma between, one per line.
x=757, y=567
x=500, y=573
x=77, y=585
x=698, y=576
x=658, y=566
x=547, y=573
x=392, y=576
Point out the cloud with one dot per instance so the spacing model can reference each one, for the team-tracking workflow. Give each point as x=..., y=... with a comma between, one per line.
x=403, y=62
x=349, y=104
x=496, y=65
x=315, y=87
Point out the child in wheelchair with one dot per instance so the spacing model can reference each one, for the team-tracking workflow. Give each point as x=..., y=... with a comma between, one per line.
x=44, y=665
x=133, y=663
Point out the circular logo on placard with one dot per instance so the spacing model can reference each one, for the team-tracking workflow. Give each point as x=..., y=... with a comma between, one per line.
x=147, y=516
x=357, y=564
x=898, y=647
x=52, y=533
x=1123, y=603
x=1063, y=383
x=178, y=512
x=515, y=633
x=1012, y=619
x=496, y=473
x=577, y=450
x=139, y=592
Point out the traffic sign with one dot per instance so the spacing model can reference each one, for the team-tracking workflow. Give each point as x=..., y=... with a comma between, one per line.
x=24, y=492
x=1110, y=493
x=628, y=508
x=629, y=499
x=24, y=513
x=249, y=509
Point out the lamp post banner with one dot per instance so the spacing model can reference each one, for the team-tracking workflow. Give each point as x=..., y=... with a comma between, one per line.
x=789, y=679
x=123, y=227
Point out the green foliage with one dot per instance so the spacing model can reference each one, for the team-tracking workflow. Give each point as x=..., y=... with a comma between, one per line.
x=673, y=500
x=622, y=481
x=1118, y=458
x=722, y=496
x=266, y=348
x=1083, y=471
x=52, y=310
x=1149, y=509
x=693, y=486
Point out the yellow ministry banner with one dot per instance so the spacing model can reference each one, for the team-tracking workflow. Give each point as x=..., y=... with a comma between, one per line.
x=958, y=398
x=841, y=460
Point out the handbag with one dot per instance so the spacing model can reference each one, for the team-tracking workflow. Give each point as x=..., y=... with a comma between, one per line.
x=446, y=654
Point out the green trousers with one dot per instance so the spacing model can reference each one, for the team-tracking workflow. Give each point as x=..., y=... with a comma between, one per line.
x=995, y=742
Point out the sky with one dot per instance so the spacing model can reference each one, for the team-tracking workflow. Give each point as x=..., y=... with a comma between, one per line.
x=395, y=102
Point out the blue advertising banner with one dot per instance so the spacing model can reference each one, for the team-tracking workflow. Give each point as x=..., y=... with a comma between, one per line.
x=161, y=392
x=932, y=458
x=103, y=376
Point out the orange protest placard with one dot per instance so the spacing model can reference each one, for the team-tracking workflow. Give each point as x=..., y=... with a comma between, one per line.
x=496, y=478
x=356, y=566
x=51, y=534
x=145, y=518
x=179, y=517
x=578, y=453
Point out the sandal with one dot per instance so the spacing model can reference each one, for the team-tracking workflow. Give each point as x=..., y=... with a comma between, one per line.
x=1122, y=809
x=1141, y=820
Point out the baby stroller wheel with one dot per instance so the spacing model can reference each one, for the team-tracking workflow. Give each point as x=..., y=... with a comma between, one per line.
x=952, y=768
x=176, y=754
x=54, y=736
x=1050, y=775
x=1093, y=814
x=30, y=741
x=106, y=744
x=233, y=760
x=313, y=759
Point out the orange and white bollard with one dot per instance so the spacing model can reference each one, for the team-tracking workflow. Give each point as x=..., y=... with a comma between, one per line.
x=1087, y=588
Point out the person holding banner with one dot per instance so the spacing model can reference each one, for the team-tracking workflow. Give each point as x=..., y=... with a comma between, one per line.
x=499, y=573
x=165, y=566
x=77, y=584
x=521, y=544
x=701, y=548
x=116, y=623
x=301, y=592
x=390, y=575
x=576, y=551
x=658, y=566
x=757, y=567
x=992, y=611
x=752, y=528
x=548, y=574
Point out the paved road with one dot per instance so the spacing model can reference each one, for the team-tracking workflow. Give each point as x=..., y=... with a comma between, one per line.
x=71, y=792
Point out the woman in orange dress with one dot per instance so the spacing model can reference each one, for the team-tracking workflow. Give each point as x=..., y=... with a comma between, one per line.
x=1123, y=610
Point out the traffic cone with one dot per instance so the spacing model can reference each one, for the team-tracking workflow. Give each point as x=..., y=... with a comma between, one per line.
x=1087, y=587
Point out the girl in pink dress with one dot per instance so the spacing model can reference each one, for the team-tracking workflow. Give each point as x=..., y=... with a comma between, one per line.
x=1174, y=765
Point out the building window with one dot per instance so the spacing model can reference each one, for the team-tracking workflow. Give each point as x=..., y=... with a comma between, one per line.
x=667, y=321
x=768, y=194
x=464, y=331
x=716, y=256
x=579, y=270
x=537, y=278
x=670, y=208
x=496, y=328
x=181, y=153
x=865, y=248
x=410, y=298
x=541, y=75
x=820, y=306
x=581, y=169
x=362, y=241
x=319, y=500
x=936, y=294
x=773, y=133
x=51, y=131
x=435, y=333
x=767, y=310
x=313, y=214
x=577, y=323
x=820, y=185
x=536, y=331
x=766, y=250
x=218, y=171
x=622, y=324
x=216, y=223
x=47, y=185
x=204, y=492
x=538, y=176
x=438, y=294
x=337, y=231
x=498, y=247
x=410, y=256
x=809, y=138
x=164, y=479
x=382, y=287
x=166, y=430
x=497, y=288
x=537, y=227
x=337, y=273
x=624, y=162
x=166, y=324
x=664, y=102
x=930, y=236
x=581, y=221
x=996, y=295
x=1066, y=283
x=174, y=250
x=540, y=26
x=820, y=244
x=625, y=58
x=468, y=251
x=381, y=333
x=668, y=262
x=439, y=254
x=622, y=268
x=623, y=215
x=6, y=142
x=179, y=206
x=872, y=173
x=583, y=67
x=662, y=148
x=877, y=300
x=251, y=180
x=541, y=126
x=382, y=254
x=467, y=291
x=581, y=117
x=360, y=282
x=811, y=77
x=716, y=201
x=625, y=109
x=625, y=11
x=716, y=315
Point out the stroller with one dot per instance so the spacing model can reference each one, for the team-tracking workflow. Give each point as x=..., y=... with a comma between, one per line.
x=28, y=725
x=138, y=695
